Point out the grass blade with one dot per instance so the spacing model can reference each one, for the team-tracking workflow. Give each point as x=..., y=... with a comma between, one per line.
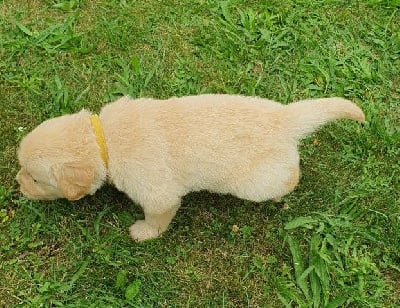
x=79, y=273
x=75, y=277
x=121, y=279
x=315, y=289
x=314, y=280
x=98, y=221
x=322, y=273
x=305, y=222
x=336, y=303
x=133, y=290
x=298, y=265
x=24, y=29
x=288, y=294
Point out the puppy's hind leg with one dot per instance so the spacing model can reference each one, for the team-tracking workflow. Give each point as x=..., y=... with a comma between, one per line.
x=288, y=185
x=154, y=224
x=270, y=182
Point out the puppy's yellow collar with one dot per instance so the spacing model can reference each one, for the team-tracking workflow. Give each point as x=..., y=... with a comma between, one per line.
x=98, y=131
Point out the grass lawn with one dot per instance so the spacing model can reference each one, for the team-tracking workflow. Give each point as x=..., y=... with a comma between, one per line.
x=333, y=242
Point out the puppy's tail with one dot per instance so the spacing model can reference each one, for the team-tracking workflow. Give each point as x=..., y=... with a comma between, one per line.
x=304, y=117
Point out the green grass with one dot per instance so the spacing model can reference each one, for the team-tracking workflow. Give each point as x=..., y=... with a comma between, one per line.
x=334, y=242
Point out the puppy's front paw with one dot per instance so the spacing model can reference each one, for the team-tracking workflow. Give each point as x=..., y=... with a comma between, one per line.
x=141, y=231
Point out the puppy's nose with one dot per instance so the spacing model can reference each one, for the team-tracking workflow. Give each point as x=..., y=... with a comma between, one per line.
x=18, y=177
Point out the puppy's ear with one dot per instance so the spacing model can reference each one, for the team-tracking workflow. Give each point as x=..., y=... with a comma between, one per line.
x=74, y=179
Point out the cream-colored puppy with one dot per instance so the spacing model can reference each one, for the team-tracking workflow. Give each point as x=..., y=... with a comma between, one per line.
x=156, y=151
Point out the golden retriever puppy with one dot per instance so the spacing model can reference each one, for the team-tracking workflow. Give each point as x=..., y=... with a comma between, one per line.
x=156, y=151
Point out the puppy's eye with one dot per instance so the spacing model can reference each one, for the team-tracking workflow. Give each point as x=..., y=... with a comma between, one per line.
x=34, y=180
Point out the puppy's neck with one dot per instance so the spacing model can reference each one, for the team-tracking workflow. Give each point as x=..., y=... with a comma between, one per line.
x=99, y=133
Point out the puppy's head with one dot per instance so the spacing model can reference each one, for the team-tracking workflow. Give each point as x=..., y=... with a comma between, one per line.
x=60, y=159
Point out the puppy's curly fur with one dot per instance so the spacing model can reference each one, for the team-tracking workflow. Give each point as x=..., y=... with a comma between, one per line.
x=159, y=150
